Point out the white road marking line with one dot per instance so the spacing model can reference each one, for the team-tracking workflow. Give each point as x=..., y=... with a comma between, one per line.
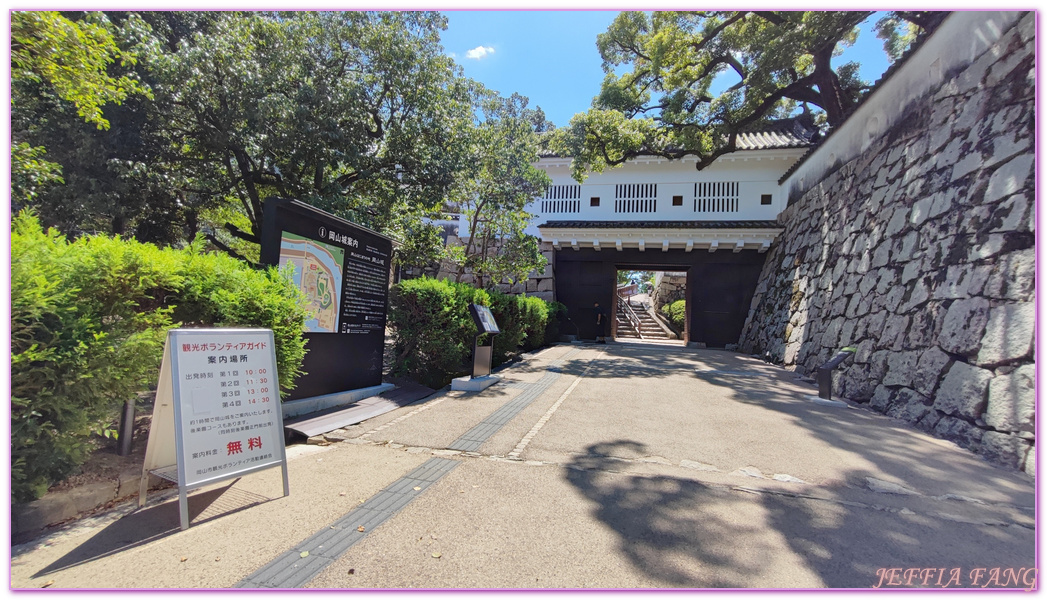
x=549, y=413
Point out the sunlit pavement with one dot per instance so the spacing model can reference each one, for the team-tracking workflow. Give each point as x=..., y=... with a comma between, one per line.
x=596, y=466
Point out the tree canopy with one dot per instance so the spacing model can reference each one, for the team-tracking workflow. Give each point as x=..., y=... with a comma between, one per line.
x=493, y=198
x=659, y=94
x=358, y=113
x=54, y=58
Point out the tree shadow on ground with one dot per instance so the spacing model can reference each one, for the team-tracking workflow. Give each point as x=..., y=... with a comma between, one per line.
x=654, y=518
x=687, y=534
x=894, y=448
x=153, y=523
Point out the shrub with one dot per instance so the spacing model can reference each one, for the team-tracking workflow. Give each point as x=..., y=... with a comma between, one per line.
x=434, y=332
x=676, y=313
x=221, y=291
x=88, y=323
x=79, y=346
x=556, y=313
x=535, y=313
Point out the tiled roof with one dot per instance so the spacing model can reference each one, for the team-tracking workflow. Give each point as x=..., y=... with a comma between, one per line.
x=661, y=224
x=775, y=135
x=784, y=133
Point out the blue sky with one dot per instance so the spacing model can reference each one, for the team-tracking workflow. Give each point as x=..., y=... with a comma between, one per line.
x=551, y=57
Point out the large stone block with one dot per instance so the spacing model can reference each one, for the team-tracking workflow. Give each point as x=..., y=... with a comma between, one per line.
x=881, y=398
x=907, y=407
x=1010, y=178
x=929, y=369
x=1004, y=449
x=1012, y=401
x=918, y=292
x=901, y=367
x=898, y=221
x=964, y=391
x=894, y=330
x=924, y=328
x=929, y=421
x=1011, y=215
x=994, y=245
x=1008, y=334
x=959, y=431
x=855, y=383
x=873, y=324
x=831, y=335
x=964, y=326
x=957, y=279
x=1014, y=277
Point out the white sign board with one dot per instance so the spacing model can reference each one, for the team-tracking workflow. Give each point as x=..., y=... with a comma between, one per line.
x=220, y=394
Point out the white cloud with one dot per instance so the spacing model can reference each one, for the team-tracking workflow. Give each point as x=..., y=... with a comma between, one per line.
x=479, y=52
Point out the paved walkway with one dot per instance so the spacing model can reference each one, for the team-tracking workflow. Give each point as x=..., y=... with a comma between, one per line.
x=590, y=466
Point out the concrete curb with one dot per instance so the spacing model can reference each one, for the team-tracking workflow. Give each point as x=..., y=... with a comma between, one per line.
x=29, y=520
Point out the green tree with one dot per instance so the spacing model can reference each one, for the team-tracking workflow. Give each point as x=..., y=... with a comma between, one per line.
x=56, y=61
x=664, y=105
x=73, y=59
x=354, y=112
x=494, y=194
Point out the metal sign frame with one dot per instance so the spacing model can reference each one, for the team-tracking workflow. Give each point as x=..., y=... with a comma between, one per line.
x=170, y=395
x=486, y=325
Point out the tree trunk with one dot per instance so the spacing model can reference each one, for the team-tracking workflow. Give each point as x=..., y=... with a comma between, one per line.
x=833, y=100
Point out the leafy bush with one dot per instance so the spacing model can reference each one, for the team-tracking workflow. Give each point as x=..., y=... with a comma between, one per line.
x=676, y=313
x=88, y=323
x=522, y=320
x=221, y=291
x=434, y=332
x=556, y=313
x=535, y=315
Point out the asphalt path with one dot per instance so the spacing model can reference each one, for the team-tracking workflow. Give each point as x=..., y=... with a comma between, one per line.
x=599, y=466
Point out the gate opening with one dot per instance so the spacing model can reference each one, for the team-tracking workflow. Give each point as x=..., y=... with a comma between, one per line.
x=651, y=305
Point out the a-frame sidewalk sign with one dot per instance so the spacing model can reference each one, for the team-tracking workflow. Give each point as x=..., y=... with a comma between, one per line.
x=217, y=413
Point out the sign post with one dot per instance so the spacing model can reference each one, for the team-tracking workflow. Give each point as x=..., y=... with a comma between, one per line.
x=217, y=413
x=481, y=378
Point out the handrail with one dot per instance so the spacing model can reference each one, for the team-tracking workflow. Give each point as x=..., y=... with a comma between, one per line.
x=631, y=316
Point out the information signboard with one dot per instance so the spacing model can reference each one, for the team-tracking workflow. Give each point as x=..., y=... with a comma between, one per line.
x=217, y=413
x=483, y=318
x=343, y=270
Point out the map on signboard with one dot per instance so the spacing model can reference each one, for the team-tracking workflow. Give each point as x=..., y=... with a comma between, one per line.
x=318, y=273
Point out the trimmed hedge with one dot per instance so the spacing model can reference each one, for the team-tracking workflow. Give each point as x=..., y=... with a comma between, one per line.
x=433, y=329
x=88, y=323
x=676, y=313
x=434, y=332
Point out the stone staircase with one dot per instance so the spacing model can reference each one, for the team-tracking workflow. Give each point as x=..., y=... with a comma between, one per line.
x=650, y=328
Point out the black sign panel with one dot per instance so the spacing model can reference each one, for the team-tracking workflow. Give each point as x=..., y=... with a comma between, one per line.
x=483, y=318
x=343, y=270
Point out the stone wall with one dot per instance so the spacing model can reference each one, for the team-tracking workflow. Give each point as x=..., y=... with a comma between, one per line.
x=538, y=284
x=920, y=253
x=669, y=287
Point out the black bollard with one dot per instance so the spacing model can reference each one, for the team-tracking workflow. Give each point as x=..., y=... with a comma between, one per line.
x=127, y=428
x=825, y=377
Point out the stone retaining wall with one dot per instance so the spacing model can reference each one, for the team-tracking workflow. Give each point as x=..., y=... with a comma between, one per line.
x=669, y=289
x=538, y=284
x=920, y=253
